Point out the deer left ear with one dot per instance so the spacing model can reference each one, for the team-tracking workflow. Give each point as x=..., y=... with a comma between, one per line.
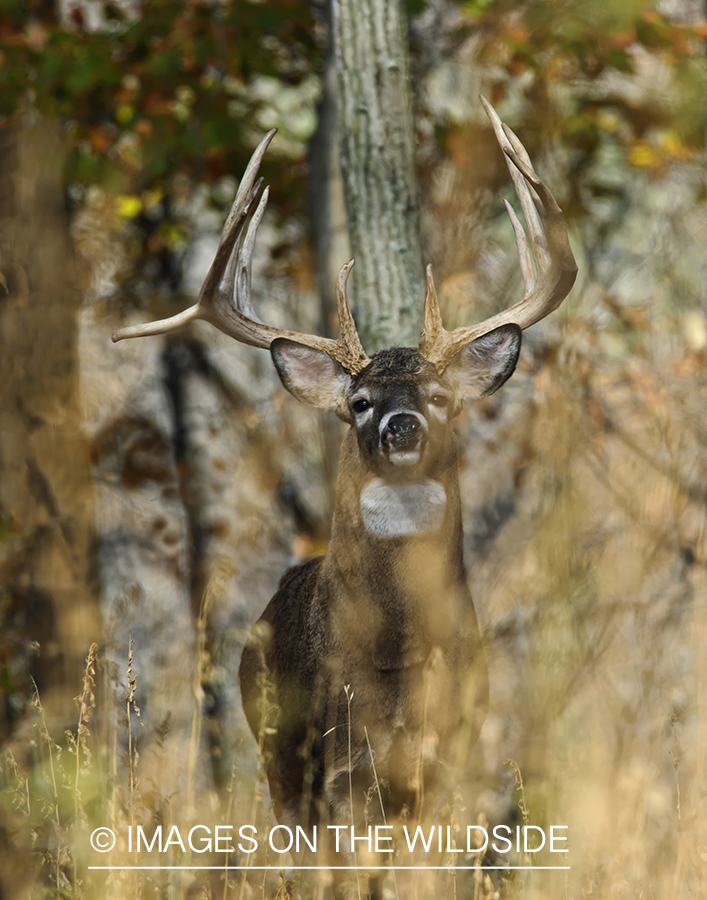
x=483, y=365
x=311, y=376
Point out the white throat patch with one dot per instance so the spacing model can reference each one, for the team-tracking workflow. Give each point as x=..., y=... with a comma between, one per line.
x=393, y=510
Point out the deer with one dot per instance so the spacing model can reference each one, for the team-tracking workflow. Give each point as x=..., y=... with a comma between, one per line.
x=372, y=652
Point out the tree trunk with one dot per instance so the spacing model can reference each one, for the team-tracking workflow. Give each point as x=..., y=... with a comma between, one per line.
x=46, y=500
x=377, y=159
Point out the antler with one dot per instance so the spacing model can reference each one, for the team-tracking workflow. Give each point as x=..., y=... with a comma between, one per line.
x=224, y=299
x=555, y=267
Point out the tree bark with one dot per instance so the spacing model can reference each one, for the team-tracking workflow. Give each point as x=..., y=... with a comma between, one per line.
x=377, y=160
x=46, y=499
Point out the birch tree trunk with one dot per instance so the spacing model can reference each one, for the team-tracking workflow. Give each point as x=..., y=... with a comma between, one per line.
x=374, y=108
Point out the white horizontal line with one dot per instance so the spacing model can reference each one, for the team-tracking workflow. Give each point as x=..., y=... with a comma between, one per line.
x=323, y=868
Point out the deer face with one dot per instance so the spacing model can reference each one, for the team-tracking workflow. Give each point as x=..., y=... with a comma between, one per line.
x=400, y=405
x=401, y=411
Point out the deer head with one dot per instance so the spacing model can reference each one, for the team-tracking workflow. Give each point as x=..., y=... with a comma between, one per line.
x=445, y=370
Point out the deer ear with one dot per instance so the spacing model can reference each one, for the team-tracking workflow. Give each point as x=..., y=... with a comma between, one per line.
x=311, y=376
x=483, y=365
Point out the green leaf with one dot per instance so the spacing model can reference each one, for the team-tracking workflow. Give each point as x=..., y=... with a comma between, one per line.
x=82, y=76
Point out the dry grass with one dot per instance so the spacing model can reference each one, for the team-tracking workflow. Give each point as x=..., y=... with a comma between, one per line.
x=592, y=598
x=593, y=602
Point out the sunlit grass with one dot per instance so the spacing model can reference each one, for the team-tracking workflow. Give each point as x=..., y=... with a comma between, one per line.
x=592, y=601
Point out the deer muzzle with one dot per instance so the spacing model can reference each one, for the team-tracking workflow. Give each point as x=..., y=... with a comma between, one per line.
x=403, y=436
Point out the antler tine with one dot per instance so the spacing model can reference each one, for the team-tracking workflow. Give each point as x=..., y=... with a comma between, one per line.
x=524, y=254
x=224, y=298
x=236, y=282
x=352, y=355
x=524, y=181
x=547, y=264
x=210, y=295
x=232, y=229
x=433, y=331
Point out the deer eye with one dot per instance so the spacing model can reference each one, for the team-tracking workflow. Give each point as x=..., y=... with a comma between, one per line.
x=440, y=400
x=361, y=405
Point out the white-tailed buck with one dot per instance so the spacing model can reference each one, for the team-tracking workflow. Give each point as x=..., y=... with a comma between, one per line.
x=387, y=611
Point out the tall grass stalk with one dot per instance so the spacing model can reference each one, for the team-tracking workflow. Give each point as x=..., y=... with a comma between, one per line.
x=133, y=755
x=377, y=786
x=268, y=710
x=86, y=703
x=229, y=812
x=349, y=698
x=200, y=668
x=49, y=743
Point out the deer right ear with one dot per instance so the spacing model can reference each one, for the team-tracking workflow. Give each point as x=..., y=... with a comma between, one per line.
x=311, y=376
x=483, y=365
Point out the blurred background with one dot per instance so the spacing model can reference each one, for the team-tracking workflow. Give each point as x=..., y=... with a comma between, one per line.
x=153, y=492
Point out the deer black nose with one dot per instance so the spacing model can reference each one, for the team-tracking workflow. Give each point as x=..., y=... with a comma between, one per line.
x=402, y=430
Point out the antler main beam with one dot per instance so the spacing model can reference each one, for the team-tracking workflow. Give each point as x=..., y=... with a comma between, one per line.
x=224, y=299
x=546, y=260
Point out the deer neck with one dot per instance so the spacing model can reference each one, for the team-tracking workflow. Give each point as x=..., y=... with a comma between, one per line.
x=391, y=536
